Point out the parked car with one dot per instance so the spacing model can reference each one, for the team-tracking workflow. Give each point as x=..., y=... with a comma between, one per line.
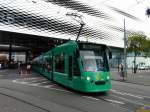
x=147, y=67
x=143, y=67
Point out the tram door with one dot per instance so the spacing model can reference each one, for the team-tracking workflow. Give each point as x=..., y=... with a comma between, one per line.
x=52, y=66
x=70, y=67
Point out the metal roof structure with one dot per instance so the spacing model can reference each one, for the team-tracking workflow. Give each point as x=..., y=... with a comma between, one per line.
x=49, y=18
x=14, y=48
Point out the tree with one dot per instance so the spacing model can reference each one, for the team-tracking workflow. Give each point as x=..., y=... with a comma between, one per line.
x=148, y=12
x=137, y=44
x=147, y=48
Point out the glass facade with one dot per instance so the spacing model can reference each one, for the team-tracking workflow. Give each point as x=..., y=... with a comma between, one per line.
x=117, y=57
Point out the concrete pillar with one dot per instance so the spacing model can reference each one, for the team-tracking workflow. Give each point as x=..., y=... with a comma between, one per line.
x=27, y=56
x=10, y=51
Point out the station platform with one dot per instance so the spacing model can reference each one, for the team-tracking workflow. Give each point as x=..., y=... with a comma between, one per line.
x=14, y=73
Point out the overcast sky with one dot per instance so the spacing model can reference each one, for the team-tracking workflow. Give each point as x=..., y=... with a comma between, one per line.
x=136, y=8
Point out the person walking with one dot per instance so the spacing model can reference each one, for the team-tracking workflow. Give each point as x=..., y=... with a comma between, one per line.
x=121, y=69
x=19, y=67
x=28, y=68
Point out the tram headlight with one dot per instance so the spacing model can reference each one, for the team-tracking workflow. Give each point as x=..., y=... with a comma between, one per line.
x=88, y=78
x=108, y=77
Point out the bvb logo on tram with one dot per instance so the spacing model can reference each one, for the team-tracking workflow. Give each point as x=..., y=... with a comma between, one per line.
x=98, y=77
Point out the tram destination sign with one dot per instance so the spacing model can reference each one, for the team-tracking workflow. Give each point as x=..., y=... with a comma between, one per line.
x=89, y=46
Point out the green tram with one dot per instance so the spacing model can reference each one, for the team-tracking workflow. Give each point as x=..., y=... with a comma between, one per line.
x=80, y=66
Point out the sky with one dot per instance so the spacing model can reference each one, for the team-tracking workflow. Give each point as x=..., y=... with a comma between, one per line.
x=136, y=8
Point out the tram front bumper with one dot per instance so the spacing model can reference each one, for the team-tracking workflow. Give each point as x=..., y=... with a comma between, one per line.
x=97, y=86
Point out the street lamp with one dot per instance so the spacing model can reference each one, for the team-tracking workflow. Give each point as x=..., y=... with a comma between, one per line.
x=125, y=52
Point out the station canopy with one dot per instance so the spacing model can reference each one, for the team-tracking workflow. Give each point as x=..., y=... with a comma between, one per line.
x=103, y=19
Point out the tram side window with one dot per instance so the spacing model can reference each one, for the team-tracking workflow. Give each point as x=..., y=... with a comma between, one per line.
x=70, y=66
x=76, y=68
x=49, y=63
x=60, y=63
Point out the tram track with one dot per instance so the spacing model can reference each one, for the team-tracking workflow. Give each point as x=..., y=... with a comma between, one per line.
x=110, y=101
x=68, y=105
x=89, y=97
x=39, y=107
x=23, y=101
x=122, y=99
x=125, y=100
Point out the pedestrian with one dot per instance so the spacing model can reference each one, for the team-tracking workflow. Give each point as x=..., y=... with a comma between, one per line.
x=121, y=69
x=136, y=67
x=48, y=67
x=132, y=68
x=19, y=67
x=28, y=68
x=118, y=68
x=22, y=70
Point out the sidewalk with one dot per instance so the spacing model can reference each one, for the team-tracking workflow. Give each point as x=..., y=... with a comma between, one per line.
x=142, y=77
x=14, y=73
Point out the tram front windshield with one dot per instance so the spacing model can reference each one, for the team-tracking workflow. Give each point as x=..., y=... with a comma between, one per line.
x=94, y=60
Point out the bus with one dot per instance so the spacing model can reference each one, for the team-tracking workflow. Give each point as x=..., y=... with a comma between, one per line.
x=78, y=65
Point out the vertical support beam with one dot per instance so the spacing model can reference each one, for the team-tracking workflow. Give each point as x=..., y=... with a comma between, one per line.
x=27, y=56
x=1, y=36
x=125, y=51
x=10, y=50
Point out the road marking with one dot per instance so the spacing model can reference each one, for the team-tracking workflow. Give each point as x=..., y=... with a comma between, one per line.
x=89, y=97
x=48, y=86
x=37, y=85
x=143, y=96
x=15, y=81
x=129, y=94
x=114, y=101
x=33, y=78
x=109, y=100
x=30, y=83
x=134, y=95
x=38, y=80
x=41, y=82
x=60, y=90
x=125, y=99
x=140, y=76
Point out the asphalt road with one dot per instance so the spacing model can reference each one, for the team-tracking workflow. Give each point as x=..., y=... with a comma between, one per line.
x=34, y=93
